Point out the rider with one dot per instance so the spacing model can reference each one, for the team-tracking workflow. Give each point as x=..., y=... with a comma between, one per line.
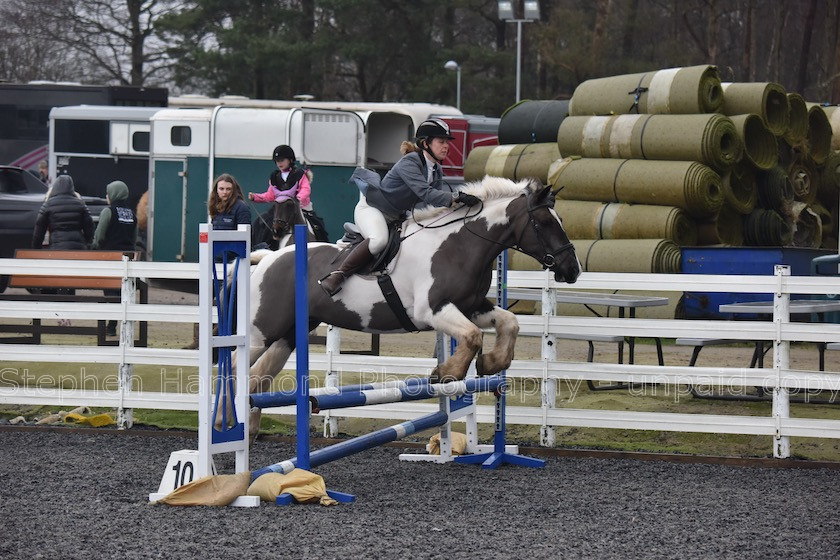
x=416, y=179
x=287, y=180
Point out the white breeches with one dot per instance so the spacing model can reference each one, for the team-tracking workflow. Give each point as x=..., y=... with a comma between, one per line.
x=372, y=224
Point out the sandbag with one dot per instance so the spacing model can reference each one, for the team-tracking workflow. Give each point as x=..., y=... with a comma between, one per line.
x=688, y=90
x=710, y=139
x=689, y=185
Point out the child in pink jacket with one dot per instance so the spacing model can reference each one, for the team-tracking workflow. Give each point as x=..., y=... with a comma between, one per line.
x=287, y=181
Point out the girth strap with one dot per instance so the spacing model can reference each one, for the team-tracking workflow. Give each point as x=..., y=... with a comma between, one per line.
x=394, y=301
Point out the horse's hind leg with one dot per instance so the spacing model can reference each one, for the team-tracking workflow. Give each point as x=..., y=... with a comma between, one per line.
x=263, y=370
x=452, y=322
x=507, y=329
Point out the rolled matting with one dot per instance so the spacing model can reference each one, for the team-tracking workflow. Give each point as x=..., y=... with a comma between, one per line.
x=739, y=190
x=807, y=226
x=605, y=220
x=727, y=228
x=819, y=134
x=766, y=99
x=797, y=120
x=767, y=228
x=532, y=122
x=711, y=139
x=513, y=161
x=804, y=177
x=833, y=115
x=693, y=89
x=774, y=189
x=689, y=185
x=760, y=146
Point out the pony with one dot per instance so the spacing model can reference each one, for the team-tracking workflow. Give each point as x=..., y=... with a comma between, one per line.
x=284, y=216
x=441, y=272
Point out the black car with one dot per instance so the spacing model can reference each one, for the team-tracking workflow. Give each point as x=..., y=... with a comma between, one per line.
x=21, y=196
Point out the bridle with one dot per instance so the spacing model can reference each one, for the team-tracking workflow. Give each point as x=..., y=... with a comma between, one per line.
x=548, y=259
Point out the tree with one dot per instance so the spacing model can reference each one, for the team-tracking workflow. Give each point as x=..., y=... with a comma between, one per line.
x=108, y=41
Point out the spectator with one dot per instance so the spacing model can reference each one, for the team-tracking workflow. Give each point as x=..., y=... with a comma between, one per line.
x=227, y=206
x=44, y=172
x=65, y=215
x=117, y=230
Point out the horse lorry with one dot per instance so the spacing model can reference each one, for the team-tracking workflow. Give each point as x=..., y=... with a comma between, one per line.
x=175, y=152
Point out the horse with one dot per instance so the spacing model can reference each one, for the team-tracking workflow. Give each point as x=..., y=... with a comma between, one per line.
x=284, y=216
x=441, y=272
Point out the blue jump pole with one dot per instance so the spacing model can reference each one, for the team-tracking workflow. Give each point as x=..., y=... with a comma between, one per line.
x=411, y=393
x=361, y=443
x=288, y=398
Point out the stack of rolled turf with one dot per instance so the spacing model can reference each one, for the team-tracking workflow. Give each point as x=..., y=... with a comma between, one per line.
x=648, y=163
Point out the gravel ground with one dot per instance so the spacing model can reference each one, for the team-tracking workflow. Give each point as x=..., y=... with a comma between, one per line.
x=84, y=495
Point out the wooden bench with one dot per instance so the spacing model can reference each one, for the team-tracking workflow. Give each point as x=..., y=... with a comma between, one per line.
x=35, y=283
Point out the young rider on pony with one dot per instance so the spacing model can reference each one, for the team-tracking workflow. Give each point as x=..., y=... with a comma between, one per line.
x=416, y=179
x=287, y=180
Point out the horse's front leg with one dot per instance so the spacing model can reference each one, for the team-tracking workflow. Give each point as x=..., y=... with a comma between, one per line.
x=507, y=329
x=264, y=368
x=468, y=336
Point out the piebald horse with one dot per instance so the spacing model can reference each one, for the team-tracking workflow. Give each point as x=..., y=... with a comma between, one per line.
x=442, y=273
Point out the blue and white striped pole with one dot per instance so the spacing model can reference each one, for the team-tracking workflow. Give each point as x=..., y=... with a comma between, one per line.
x=411, y=393
x=288, y=398
x=355, y=445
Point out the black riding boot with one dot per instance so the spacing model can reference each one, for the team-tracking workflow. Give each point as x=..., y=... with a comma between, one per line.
x=358, y=257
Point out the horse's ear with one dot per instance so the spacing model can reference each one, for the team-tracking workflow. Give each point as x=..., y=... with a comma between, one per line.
x=544, y=193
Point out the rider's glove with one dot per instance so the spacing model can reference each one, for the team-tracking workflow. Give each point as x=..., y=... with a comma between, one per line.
x=467, y=199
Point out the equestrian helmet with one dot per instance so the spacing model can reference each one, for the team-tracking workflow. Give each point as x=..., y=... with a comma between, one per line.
x=284, y=151
x=433, y=128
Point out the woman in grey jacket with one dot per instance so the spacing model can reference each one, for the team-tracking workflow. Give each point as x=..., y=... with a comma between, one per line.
x=415, y=180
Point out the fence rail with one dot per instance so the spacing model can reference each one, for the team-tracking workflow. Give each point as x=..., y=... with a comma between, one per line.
x=549, y=372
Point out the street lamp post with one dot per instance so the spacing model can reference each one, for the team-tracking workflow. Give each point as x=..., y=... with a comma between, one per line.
x=531, y=12
x=452, y=65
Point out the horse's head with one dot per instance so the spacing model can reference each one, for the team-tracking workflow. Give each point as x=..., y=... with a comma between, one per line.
x=540, y=234
x=286, y=214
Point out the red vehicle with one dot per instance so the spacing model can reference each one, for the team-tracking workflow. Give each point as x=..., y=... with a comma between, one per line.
x=470, y=131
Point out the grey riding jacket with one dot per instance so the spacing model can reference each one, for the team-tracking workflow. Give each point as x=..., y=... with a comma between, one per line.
x=404, y=186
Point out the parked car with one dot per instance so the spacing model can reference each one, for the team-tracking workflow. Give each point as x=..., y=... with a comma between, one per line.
x=21, y=196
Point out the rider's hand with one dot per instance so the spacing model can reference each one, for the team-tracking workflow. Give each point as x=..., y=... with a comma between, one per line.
x=467, y=199
x=250, y=196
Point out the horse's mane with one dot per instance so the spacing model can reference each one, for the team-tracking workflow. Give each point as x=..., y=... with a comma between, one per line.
x=488, y=189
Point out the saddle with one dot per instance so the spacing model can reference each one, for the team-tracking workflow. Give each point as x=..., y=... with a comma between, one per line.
x=353, y=236
x=377, y=267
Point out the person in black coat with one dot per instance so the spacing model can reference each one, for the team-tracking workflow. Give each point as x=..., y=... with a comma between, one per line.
x=65, y=215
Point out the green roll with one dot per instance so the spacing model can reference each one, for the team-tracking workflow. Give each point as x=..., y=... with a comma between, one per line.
x=833, y=115
x=819, y=134
x=807, y=226
x=689, y=185
x=798, y=121
x=767, y=228
x=727, y=228
x=804, y=177
x=760, y=146
x=739, y=190
x=766, y=99
x=775, y=190
x=710, y=139
x=628, y=255
x=693, y=89
x=532, y=122
x=612, y=220
x=512, y=161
